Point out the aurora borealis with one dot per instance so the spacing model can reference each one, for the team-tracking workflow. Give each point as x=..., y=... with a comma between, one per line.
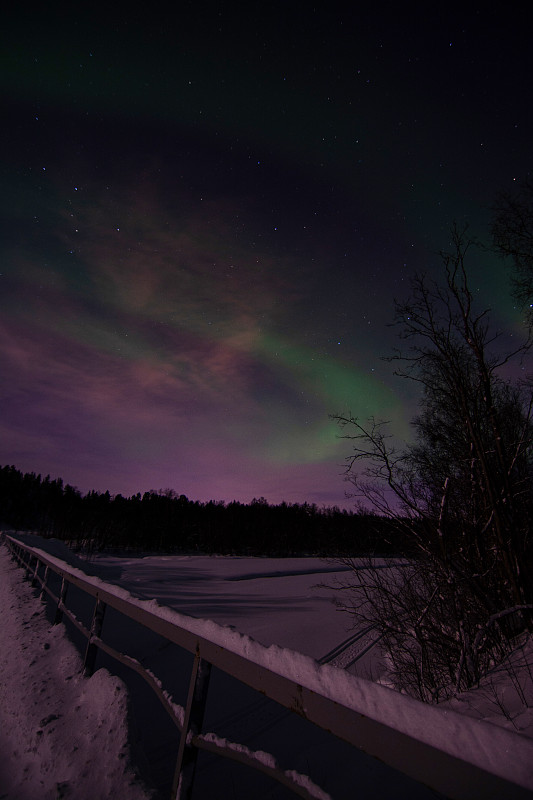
x=206, y=219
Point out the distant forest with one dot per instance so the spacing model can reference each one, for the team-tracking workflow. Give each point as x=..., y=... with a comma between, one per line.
x=165, y=521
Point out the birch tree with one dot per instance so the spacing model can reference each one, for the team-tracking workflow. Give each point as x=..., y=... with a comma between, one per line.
x=460, y=497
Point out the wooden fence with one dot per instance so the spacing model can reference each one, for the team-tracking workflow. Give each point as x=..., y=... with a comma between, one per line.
x=457, y=756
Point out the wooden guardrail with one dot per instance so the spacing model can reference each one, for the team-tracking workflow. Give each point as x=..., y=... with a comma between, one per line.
x=455, y=755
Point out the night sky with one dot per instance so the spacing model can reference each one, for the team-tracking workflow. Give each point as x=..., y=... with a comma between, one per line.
x=207, y=217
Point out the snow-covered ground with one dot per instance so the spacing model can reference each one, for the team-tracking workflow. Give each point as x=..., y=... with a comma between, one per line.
x=61, y=735
x=276, y=601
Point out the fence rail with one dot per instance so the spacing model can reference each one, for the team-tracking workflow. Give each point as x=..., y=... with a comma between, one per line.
x=457, y=756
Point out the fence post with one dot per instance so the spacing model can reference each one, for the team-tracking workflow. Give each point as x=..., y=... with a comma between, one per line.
x=43, y=584
x=61, y=602
x=35, y=571
x=27, y=564
x=96, y=630
x=192, y=724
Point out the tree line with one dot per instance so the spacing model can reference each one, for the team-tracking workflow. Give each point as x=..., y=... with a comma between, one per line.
x=164, y=521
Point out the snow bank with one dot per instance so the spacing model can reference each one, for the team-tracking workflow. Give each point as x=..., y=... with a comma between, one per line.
x=504, y=696
x=61, y=735
x=260, y=760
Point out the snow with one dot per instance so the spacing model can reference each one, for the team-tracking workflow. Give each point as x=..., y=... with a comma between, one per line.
x=277, y=602
x=61, y=735
x=263, y=761
x=505, y=696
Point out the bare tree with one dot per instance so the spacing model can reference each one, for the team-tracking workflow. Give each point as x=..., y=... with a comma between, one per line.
x=460, y=497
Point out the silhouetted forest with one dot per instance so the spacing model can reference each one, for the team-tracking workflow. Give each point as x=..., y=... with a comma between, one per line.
x=165, y=521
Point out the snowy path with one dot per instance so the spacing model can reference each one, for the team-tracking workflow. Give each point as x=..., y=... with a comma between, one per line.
x=61, y=735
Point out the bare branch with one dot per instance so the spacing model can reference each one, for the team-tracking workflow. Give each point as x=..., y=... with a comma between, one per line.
x=460, y=499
